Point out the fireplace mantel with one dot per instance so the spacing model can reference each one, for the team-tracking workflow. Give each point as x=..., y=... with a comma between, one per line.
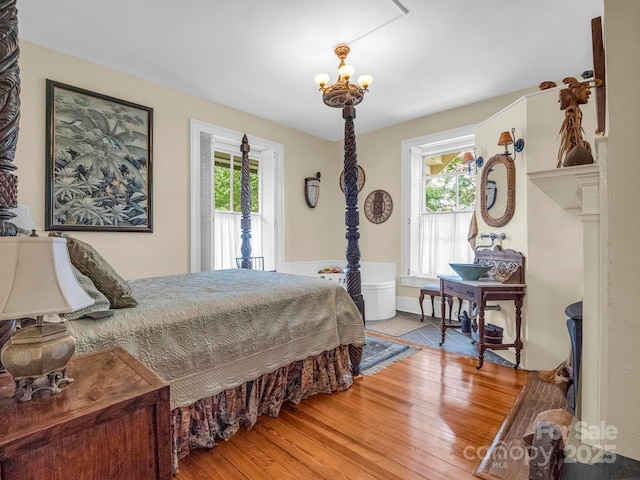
x=565, y=185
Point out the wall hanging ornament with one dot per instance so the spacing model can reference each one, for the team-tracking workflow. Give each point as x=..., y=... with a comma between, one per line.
x=312, y=190
x=378, y=206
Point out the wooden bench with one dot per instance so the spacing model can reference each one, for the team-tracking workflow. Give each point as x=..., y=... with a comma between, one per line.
x=433, y=290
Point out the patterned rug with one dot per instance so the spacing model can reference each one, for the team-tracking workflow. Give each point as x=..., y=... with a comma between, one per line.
x=380, y=353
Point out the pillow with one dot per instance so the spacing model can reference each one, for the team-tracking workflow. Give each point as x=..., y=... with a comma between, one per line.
x=86, y=259
x=101, y=303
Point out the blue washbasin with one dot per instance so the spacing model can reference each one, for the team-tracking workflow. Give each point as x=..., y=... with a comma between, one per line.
x=470, y=271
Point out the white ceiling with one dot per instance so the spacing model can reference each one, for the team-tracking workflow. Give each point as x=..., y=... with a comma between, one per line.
x=260, y=56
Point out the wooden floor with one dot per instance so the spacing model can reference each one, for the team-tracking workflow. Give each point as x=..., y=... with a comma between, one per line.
x=430, y=416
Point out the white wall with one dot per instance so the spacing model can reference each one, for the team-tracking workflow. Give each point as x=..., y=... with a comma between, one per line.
x=622, y=326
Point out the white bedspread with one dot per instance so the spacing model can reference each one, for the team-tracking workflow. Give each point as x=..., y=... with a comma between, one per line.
x=209, y=331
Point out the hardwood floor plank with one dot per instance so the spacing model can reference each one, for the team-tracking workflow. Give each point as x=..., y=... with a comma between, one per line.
x=425, y=417
x=207, y=464
x=407, y=458
x=313, y=450
x=398, y=426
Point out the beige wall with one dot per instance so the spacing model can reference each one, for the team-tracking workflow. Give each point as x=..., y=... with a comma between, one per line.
x=379, y=154
x=549, y=236
x=309, y=233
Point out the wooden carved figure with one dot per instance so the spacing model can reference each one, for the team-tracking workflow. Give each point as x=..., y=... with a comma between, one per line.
x=574, y=149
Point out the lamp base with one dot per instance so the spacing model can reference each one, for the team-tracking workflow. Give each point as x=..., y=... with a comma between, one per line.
x=36, y=353
x=26, y=387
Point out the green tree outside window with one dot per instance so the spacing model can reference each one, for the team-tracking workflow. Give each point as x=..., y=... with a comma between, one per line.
x=453, y=189
x=225, y=189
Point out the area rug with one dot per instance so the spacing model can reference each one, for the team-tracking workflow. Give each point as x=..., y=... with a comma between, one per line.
x=380, y=353
x=396, y=326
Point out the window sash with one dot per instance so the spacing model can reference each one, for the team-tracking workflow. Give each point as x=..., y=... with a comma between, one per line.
x=413, y=169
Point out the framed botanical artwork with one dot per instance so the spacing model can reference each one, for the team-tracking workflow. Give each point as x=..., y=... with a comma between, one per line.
x=98, y=171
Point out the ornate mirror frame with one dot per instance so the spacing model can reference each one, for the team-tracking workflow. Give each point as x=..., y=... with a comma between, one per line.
x=511, y=191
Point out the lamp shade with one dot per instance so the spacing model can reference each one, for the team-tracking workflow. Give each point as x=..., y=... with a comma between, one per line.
x=505, y=139
x=365, y=80
x=322, y=79
x=468, y=157
x=23, y=218
x=346, y=71
x=37, y=278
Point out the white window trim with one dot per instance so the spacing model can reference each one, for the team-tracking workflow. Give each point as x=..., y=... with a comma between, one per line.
x=434, y=144
x=256, y=144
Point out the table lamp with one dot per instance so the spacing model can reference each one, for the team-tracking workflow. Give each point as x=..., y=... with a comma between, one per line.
x=23, y=220
x=38, y=280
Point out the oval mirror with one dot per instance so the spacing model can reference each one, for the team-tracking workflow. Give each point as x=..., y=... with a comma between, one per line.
x=498, y=191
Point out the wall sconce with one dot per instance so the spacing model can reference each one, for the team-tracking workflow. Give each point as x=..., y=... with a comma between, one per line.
x=506, y=139
x=312, y=190
x=472, y=162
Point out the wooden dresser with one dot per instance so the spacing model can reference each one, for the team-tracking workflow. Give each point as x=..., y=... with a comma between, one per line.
x=112, y=422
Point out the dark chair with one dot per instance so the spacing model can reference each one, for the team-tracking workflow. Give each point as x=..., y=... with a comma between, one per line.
x=257, y=263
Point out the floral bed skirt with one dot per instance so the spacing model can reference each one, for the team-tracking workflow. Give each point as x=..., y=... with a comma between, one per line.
x=197, y=425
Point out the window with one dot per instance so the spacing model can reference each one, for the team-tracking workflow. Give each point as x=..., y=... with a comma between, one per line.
x=438, y=203
x=215, y=198
x=227, y=189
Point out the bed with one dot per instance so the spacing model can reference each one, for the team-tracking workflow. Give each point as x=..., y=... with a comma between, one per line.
x=233, y=344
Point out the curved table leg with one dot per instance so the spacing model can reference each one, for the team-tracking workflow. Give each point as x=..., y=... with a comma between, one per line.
x=420, y=299
x=481, y=345
x=518, y=342
x=443, y=326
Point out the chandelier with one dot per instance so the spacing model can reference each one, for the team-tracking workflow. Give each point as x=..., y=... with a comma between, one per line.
x=343, y=93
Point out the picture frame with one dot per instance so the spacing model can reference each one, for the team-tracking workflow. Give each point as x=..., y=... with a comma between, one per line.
x=98, y=162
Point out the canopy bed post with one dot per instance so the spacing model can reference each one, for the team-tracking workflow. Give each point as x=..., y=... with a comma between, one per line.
x=245, y=202
x=352, y=220
x=346, y=95
x=352, y=215
x=9, y=117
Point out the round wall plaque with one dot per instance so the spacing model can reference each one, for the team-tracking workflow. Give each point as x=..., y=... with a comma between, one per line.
x=361, y=179
x=378, y=206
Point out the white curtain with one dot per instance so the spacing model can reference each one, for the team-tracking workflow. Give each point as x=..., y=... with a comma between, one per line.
x=227, y=233
x=443, y=240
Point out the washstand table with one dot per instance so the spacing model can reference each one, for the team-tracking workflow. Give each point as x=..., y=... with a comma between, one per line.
x=505, y=282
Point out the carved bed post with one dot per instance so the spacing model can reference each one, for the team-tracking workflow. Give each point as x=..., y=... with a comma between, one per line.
x=245, y=203
x=352, y=215
x=9, y=117
x=9, y=114
x=352, y=220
